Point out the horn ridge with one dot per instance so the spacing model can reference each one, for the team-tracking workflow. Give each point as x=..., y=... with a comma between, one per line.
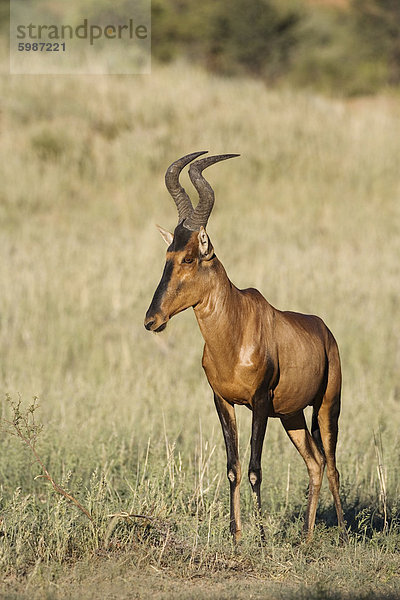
x=176, y=190
x=200, y=215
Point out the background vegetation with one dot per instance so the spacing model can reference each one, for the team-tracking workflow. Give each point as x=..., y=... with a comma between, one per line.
x=338, y=47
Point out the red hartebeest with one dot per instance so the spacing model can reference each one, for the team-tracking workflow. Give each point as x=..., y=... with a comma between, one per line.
x=275, y=363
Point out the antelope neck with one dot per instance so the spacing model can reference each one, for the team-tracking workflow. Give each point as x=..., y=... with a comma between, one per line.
x=218, y=313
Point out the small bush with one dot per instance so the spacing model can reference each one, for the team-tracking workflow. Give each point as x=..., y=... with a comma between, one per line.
x=48, y=145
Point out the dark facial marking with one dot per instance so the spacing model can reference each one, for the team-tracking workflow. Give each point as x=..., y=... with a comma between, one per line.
x=161, y=288
x=181, y=238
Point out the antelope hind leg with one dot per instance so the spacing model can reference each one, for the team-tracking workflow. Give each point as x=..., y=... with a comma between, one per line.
x=297, y=431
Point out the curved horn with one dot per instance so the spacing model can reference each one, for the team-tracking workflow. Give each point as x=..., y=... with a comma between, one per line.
x=177, y=192
x=201, y=213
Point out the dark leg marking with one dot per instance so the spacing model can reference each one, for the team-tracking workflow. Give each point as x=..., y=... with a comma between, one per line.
x=226, y=413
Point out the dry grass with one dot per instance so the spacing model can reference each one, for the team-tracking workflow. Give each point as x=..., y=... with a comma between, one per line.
x=310, y=215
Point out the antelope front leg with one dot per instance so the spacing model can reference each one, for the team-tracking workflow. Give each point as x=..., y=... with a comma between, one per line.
x=259, y=425
x=226, y=413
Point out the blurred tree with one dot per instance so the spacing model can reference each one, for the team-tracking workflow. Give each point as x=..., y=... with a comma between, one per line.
x=4, y=14
x=331, y=55
x=253, y=35
x=378, y=26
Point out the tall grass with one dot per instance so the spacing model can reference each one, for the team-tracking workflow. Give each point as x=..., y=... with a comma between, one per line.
x=309, y=214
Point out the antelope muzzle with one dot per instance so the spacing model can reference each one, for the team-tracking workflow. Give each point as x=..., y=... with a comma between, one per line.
x=156, y=320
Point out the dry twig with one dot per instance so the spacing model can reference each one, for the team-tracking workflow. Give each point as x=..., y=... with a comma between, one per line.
x=24, y=426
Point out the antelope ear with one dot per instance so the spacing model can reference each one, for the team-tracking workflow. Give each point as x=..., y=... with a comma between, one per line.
x=167, y=236
x=205, y=247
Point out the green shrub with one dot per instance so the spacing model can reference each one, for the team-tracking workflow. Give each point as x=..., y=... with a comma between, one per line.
x=250, y=36
x=377, y=23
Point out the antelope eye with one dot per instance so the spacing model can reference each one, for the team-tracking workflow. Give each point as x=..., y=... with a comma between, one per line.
x=187, y=260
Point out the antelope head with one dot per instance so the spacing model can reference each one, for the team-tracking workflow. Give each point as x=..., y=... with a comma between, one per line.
x=190, y=254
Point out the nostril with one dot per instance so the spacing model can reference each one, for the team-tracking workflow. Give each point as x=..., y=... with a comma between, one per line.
x=149, y=324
